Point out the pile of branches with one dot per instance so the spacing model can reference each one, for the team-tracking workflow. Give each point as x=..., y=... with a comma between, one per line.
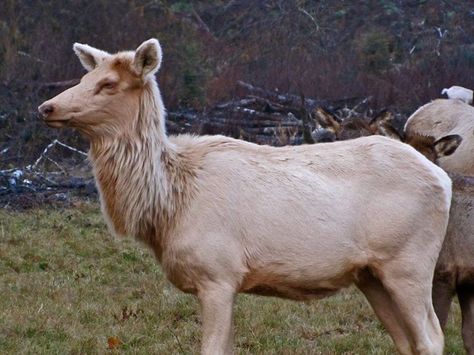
x=261, y=117
x=264, y=117
x=46, y=180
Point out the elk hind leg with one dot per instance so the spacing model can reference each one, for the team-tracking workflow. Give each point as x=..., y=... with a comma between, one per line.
x=443, y=293
x=466, y=301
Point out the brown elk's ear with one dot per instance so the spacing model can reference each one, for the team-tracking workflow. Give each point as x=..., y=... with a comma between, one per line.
x=382, y=117
x=89, y=56
x=328, y=120
x=447, y=145
x=148, y=58
x=382, y=124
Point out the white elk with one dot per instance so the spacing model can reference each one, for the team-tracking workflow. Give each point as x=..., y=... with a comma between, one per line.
x=225, y=216
x=443, y=117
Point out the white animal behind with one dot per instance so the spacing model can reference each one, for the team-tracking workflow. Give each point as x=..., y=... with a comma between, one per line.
x=458, y=93
x=443, y=117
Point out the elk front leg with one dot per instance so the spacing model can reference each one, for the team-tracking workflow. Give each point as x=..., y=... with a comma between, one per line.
x=216, y=311
x=385, y=309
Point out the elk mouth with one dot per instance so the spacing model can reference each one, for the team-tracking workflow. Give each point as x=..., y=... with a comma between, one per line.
x=57, y=123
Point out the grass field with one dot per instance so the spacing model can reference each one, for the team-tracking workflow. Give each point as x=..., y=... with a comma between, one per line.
x=67, y=287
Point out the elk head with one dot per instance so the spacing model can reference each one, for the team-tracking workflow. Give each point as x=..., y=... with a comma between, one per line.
x=434, y=149
x=108, y=99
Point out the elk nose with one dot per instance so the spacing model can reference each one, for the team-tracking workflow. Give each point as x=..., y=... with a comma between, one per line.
x=45, y=109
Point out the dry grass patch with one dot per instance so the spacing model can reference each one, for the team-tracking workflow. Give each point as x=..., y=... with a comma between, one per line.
x=66, y=286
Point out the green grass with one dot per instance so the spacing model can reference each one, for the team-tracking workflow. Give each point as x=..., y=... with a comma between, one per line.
x=66, y=287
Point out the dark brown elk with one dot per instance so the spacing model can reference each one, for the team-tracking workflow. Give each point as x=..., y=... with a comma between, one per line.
x=334, y=128
x=454, y=273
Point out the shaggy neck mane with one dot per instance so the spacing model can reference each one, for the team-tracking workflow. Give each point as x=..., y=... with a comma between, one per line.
x=143, y=179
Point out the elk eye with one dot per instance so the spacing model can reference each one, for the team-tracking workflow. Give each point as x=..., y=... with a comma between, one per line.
x=108, y=85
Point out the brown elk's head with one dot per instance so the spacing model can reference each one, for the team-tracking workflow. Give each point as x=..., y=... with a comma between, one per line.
x=109, y=98
x=434, y=149
x=334, y=128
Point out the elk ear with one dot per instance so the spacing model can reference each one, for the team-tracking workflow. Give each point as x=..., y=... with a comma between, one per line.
x=147, y=58
x=382, y=117
x=89, y=56
x=328, y=120
x=382, y=124
x=447, y=145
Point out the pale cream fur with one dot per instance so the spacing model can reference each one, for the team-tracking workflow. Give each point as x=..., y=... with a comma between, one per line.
x=225, y=216
x=444, y=117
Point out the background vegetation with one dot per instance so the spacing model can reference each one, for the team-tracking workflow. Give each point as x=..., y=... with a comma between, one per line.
x=400, y=52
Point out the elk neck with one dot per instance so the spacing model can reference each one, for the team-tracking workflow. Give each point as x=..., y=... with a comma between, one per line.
x=141, y=176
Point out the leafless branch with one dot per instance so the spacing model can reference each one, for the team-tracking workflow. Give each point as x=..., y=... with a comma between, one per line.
x=33, y=166
x=71, y=148
x=59, y=84
x=310, y=16
x=24, y=54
